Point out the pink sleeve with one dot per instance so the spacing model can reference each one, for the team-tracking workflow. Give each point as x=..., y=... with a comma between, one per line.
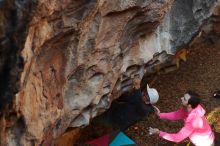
x=181, y=135
x=177, y=115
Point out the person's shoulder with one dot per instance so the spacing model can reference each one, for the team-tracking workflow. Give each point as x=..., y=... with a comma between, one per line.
x=136, y=95
x=191, y=117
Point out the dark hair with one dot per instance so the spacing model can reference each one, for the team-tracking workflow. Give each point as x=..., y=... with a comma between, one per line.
x=194, y=99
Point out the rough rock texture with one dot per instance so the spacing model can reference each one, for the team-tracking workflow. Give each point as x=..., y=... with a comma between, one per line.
x=78, y=56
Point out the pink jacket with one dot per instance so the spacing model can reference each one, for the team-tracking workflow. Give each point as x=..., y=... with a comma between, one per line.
x=196, y=127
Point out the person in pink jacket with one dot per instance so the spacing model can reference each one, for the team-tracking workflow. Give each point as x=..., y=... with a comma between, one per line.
x=196, y=127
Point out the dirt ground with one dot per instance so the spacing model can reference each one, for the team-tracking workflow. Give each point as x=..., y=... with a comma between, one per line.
x=200, y=73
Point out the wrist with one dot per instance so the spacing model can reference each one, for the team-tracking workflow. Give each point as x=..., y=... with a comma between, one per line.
x=158, y=132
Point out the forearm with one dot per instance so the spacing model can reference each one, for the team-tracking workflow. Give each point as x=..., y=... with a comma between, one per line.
x=177, y=137
x=177, y=115
x=168, y=116
x=170, y=137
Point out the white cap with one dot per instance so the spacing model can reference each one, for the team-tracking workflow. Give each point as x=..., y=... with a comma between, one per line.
x=153, y=94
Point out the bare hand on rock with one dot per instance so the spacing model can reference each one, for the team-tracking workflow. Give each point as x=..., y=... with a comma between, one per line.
x=136, y=82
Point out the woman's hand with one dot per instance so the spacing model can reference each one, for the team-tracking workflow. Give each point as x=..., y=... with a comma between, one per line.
x=154, y=131
x=157, y=111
